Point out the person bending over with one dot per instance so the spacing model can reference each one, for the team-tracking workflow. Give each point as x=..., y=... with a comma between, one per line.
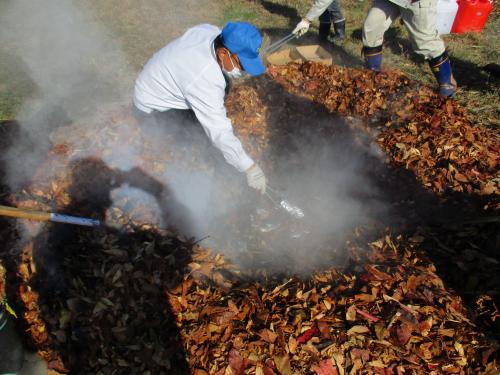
x=193, y=73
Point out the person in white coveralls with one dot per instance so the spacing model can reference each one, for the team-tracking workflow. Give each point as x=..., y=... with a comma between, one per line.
x=419, y=17
x=193, y=73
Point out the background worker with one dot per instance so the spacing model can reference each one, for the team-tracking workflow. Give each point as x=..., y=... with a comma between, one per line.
x=419, y=17
x=328, y=12
x=192, y=73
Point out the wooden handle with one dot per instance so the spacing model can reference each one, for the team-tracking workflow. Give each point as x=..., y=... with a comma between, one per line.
x=24, y=214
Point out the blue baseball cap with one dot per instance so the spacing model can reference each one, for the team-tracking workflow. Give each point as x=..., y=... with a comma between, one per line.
x=244, y=40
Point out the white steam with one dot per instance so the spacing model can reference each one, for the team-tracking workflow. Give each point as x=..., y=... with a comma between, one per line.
x=329, y=176
x=81, y=74
x=135, y=205
x=74, y=64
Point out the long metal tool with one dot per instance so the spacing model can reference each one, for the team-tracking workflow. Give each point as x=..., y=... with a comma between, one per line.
x=47, y=216
x=276, y=45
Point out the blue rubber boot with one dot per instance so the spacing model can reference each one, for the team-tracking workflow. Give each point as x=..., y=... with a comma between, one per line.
x=441, y=68
x=373, y=57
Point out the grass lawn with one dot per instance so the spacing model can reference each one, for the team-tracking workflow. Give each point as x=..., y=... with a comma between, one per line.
x=15, y=85
x=478, y=90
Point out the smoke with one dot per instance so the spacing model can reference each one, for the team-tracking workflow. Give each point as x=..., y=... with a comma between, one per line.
x=200, y=187
x=74, y=64
x=334, y=183
x=330, y=176
x=126, y=203
x=82, y=79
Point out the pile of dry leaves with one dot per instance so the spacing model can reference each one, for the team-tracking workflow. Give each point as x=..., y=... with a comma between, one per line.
x=133, y=303
x=141, y=300
x=427, y=134
x=394, y=316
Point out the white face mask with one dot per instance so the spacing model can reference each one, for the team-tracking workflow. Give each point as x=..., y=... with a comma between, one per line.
x=235, y=73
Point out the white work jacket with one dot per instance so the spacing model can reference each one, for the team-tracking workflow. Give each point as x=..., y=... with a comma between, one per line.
x=185, y=75
x=317, y=9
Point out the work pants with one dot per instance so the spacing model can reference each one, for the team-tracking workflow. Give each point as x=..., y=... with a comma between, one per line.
x=184, y=129
x=332, y=14
x=419, y=18
x=178, y=123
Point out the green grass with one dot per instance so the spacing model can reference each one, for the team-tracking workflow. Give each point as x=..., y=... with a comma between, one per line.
x=9, y=103
x=233, y=12
x=15, y=85
x=478, y=92
x=260, y=13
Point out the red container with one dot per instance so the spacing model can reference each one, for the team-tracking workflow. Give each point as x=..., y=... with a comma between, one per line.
x=471, y=16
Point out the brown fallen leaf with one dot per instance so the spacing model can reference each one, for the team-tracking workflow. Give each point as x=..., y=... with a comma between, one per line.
x=268, y=335
x=282, y=363
x=355, y=330
x=236, y=362
x=325, y=367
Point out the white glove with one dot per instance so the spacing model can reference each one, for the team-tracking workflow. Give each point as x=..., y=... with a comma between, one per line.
x=302, y=27
x=256, y=178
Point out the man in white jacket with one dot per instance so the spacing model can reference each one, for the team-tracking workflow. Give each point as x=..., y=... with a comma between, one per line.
x=192, y=73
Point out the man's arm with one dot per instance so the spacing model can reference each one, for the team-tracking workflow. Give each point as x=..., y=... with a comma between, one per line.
x=317, y=9
x=208, y=105
x=314, y=12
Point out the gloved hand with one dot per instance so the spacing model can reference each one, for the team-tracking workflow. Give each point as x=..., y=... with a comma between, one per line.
x=302, y=27
x=256, y=178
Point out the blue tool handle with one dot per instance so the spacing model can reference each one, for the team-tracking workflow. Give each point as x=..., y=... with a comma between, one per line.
x=67, y=219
